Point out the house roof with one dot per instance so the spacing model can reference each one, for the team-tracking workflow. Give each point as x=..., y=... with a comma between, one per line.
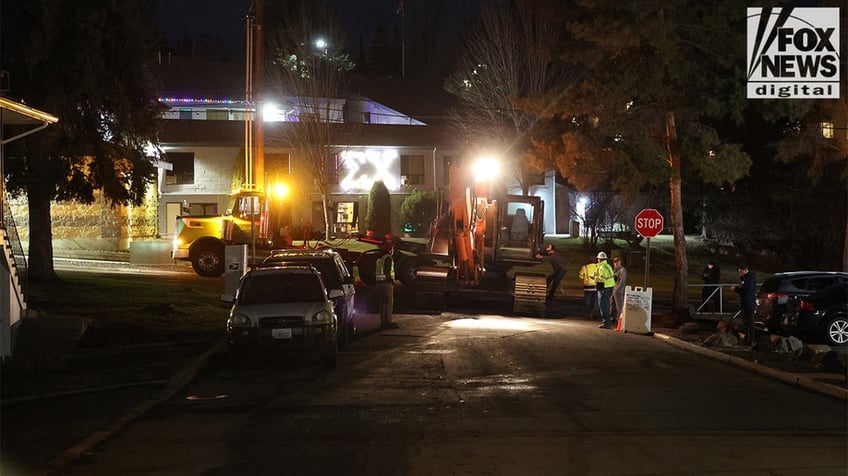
x=16, y=113
x=231, y=133
x=424, y=100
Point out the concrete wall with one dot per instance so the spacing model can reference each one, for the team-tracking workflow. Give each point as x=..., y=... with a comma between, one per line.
x=99, y=226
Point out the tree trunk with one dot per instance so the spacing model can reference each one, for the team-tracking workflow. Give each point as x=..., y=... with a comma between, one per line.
x=679, y=304
x=326, y=207
x=40, y=266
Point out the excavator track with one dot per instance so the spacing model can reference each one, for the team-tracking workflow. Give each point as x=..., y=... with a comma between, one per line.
x=529, y=294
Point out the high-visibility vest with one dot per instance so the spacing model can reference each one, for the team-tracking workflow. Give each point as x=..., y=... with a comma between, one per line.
x=381, y=268
x=605, y=274
x=587, y=274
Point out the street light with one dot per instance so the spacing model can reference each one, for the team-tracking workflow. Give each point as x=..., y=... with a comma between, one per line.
x=281, y=190
x=322, y=45
x=486, y=169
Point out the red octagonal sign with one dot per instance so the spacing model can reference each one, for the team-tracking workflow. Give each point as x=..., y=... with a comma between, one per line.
x=649, y=223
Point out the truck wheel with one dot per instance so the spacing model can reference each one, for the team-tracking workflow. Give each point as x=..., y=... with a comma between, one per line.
x=208, y=261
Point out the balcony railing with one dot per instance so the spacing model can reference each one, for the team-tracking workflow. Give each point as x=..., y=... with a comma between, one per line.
x=14, y=248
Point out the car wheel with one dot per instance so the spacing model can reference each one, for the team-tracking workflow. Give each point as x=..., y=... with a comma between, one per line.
x=836, y=330
x=208, y=261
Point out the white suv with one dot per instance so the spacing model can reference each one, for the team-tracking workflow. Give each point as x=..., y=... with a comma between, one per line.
x=336, y=276
x=284, y=309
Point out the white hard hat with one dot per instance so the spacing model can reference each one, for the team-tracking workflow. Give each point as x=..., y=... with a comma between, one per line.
x=602, y=255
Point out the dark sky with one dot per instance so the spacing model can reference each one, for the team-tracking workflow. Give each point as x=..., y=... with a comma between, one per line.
x=193, y=18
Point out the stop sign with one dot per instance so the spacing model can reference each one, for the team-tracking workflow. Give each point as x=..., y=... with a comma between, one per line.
x=649, y=223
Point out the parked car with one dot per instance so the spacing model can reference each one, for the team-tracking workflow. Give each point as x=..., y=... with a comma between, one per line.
x=778, y=289
x=336, y=275
x=289, y=308
x=822, y=316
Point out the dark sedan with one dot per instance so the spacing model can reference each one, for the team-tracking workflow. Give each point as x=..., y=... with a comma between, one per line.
x=822, y=316
x=777, y=290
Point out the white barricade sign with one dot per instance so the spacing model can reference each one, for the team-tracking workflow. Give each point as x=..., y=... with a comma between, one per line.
x=637, y=310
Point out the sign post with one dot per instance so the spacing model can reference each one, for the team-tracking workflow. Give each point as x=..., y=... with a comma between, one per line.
x=648, y=223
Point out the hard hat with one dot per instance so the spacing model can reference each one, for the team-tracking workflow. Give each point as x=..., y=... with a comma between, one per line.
x=602, y=255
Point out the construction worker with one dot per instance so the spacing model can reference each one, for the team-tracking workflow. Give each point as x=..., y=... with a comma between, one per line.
x=605, y=281
x=385, y=274
x=590, y=291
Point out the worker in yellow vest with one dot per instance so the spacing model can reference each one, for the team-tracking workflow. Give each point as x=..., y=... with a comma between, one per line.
x=605, y=281
x=590, y=291
x=385, y=274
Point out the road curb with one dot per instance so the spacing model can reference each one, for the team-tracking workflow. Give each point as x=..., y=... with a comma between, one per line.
x=175, y=383
x=790, y=378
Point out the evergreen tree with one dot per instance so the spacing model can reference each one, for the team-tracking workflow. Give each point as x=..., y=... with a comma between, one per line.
x=379, y=216
x=90, y=64
x=656, y=77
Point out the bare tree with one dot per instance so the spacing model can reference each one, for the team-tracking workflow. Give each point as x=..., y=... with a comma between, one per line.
x=308, y=68
x=505, y=56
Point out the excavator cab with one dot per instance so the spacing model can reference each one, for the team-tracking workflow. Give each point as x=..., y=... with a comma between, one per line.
x=517, y=233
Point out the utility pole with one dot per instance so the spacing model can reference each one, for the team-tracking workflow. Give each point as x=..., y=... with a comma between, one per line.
x=259, y=81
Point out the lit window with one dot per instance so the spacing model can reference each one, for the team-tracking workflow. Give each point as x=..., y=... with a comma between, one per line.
x=412, y=167
x=217, y=114
x=827, y=130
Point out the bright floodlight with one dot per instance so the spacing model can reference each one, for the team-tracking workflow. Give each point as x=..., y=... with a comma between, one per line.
x=281, y=190
x=486, y=169
x=321, y=43
x=270, y=112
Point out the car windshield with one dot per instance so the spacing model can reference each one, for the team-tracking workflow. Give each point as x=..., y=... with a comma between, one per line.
x=324, y=265
x=281, y=288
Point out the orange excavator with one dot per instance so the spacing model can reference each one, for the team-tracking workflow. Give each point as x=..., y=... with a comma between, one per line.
x=476, y=239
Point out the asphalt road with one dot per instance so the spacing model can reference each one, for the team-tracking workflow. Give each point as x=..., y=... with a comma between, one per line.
x=483, y=394
x=44, y=435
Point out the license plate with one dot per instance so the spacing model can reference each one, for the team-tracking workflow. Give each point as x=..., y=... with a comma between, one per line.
x=281, y=333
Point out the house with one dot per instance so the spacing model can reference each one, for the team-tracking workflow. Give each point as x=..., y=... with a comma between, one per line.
x=21, y=120
x=204, y=136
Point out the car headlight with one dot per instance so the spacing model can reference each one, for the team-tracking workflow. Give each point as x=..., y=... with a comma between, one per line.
x=322, y=317
x=239, y=320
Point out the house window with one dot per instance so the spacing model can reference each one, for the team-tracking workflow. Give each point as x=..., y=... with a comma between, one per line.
x=307, y=117
x=412, y=167
x=332, y=168
x=185, y=114
x=827, y=130
x=183, y=170
x=277, y=165
x=217, y=114
x=196, y=209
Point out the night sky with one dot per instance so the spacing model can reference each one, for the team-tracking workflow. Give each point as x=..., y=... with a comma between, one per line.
x=193, y=18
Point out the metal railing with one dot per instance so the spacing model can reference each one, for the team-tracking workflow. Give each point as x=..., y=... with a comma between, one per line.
x=14, y=248
x=719, y=290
